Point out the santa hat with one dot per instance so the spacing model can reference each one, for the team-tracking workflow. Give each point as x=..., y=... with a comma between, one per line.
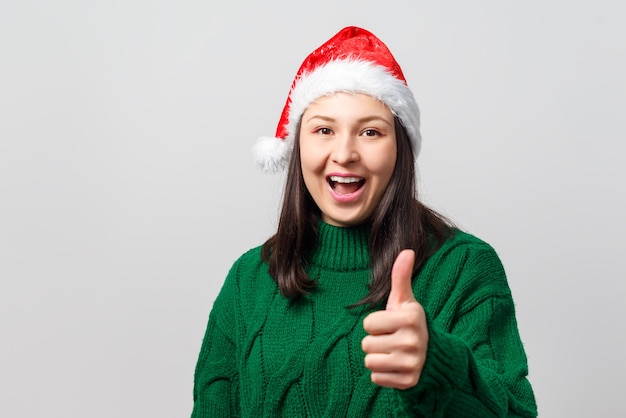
x=352, y=61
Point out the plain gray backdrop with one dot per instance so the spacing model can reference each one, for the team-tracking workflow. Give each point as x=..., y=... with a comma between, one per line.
x=127, y=187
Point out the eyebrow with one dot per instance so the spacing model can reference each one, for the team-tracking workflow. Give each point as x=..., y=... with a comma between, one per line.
x=361, y=120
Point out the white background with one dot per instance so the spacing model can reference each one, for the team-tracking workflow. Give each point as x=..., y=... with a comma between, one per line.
x=127, y=187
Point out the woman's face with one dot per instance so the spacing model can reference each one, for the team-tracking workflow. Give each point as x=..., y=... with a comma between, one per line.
x=348, y=153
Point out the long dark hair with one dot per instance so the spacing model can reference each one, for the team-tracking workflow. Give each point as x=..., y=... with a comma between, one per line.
x=399, y=221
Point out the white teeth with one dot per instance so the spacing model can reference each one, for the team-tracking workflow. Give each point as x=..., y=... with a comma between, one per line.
x=346, y=180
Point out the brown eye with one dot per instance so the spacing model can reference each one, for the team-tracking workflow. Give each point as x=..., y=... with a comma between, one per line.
x=324, y=131
x=371, y=132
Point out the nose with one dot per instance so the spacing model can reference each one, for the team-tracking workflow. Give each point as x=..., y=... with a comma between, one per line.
x=344, y=149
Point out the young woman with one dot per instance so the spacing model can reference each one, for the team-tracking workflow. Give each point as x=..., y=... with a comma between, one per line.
x=365, y=302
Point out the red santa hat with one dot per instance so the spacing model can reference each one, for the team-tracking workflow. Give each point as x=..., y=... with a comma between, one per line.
x=352, y=61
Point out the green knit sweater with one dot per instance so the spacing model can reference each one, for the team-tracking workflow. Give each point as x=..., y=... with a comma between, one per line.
x=264, y=356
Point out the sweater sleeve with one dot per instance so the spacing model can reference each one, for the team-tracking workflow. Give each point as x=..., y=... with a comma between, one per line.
x=475, y=364
x=216, y=382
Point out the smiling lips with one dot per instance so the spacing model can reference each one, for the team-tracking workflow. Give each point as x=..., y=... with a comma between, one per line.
x=345, y=188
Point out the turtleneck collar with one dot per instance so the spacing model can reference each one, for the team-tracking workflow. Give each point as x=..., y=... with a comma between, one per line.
x=342, y=248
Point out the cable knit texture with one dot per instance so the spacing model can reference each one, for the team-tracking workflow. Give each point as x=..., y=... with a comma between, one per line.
x=265, y=356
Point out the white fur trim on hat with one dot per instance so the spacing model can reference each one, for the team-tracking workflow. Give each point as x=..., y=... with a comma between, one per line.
x=271, y=153
x=356, y=76
x=348, y=76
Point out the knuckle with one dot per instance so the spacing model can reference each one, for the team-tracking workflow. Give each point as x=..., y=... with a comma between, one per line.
x=410, y=364
x=411, y=317
x=412, y=381
x=408, y=381
x=410, y=342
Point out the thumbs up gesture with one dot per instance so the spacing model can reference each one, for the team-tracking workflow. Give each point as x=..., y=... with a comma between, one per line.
x=398, y=336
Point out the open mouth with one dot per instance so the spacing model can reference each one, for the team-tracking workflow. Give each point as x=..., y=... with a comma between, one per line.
x=345, y=185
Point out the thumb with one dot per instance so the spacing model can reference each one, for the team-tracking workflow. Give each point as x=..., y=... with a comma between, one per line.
x=401, y=272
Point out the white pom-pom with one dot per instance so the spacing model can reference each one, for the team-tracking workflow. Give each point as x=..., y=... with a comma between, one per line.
x=271, y=154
